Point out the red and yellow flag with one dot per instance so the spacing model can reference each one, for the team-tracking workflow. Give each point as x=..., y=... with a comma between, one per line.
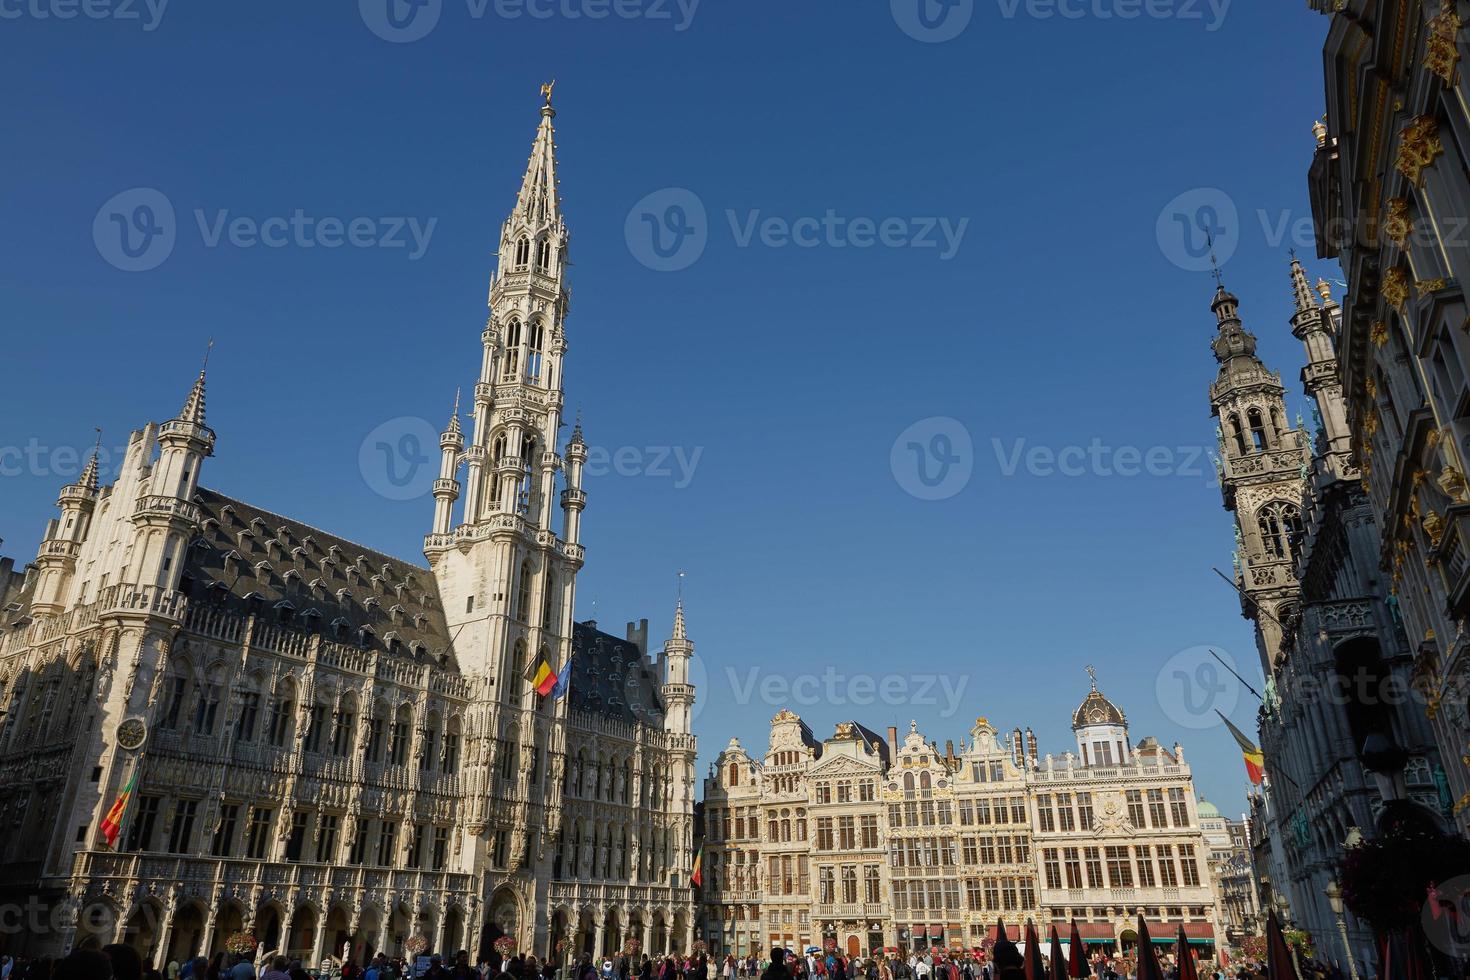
x=698, y=875
x=1255, y=759
x=112, y=823
x=545, y=680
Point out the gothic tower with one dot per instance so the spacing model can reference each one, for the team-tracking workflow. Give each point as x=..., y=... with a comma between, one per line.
x=506, y=574
x=1261, y=467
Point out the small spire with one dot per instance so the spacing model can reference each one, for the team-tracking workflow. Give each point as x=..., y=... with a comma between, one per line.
x=193, y=410
x=1305, y=301
x=88, y=478
x=454, y=415
x=538, y=201
x=679, y=632
x=576, y=439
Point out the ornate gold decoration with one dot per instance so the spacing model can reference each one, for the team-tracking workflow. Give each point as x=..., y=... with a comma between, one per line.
x=1441, y=53
x=1370, y=386
x=1463, y=801
x=1370, y=422
x=1429, y=633
x=1433, y=526
x=1396, y=221
x=547, y=89
x=1378, y=333
x=1452, y=482
x=1419, y=477
x=1395, y=287
x=1319, y=130
x=1426, y=286
x=1419, y=145
x=1324, y=289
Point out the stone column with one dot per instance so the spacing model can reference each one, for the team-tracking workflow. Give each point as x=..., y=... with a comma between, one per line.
x=207, y=940
x=319, y=942
x=598, y=917
x=648, y=933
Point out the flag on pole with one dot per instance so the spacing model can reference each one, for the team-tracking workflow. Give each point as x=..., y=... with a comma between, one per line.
x=545, y=678
x=563, y=680
x=112, y=823
x=698, y=874
x=1255, y=759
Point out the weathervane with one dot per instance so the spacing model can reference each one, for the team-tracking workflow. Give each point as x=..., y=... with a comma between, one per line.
x=547, y=89
x=1092, y=672
x=1214, y=265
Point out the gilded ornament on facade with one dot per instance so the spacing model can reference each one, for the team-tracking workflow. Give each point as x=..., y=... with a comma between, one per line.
x=1370, y=422
x=1441, y=52
x=1370, y=386
x=1427, y=286
x=1419, y=145
x=1378, y=333
x=1452, y=482
x=1433, y=526
x=1395, y=287
x=1396, y=222
x=1432, y=437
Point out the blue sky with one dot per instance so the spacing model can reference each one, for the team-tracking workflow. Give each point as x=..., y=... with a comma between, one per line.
x=1056, y=150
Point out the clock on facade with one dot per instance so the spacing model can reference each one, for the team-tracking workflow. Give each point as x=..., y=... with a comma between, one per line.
x=131, y=733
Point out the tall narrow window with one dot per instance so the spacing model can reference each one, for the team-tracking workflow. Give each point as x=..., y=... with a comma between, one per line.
x=523, y=253
x=523, y=593
x=512, y=350
x=1237, y=434
x=535, y=351
x=1279, y=525
x=543, y=254
x=548, y=593
x=1258, y=428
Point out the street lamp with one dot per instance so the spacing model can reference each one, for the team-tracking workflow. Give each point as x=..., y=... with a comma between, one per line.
x=1333, y=891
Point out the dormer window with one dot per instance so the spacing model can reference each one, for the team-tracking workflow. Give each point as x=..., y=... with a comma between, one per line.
x=227, y=511
x=365, y=637
x=263, y=570
x=285, y=612
x=396, y=613
x=340, y=627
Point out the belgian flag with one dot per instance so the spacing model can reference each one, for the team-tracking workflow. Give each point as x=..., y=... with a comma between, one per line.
x=1255, y=759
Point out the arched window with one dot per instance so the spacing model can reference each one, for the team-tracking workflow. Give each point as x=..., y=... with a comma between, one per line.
x=1237, y=433
x=523, y=488
x=537, y=347
x=924, y=780
x=515, y=682
x=547, y=597
x=1258, y=428
x=734, y=774
x=1279, y=526
x=908, y=782
x=523, y=593
x=512, y=350
x=543, y=254
x=497, y=453
x=523, y=253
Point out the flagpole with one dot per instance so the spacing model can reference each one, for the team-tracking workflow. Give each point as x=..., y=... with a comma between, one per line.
x=125, y=819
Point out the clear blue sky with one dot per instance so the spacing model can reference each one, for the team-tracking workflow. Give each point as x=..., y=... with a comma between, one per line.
x=791, y=370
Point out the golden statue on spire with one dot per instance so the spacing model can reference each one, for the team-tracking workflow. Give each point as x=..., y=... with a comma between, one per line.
x=546, y=90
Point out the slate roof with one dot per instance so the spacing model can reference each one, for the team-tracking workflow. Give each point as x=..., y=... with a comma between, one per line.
x=612, y=677
x=246, y=559
x=16, y=593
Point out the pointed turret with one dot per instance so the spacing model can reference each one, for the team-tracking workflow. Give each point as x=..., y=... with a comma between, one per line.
x=88, y=479
x=446, y=487
x=193, y=410
x=540, y=199
x=1305, y=301
x=679, y=633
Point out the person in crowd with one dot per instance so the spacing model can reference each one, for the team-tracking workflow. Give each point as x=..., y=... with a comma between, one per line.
x=777, y=969
x=276, y=970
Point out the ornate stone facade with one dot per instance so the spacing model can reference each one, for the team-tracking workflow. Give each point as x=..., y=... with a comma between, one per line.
x=1327, y=629
x=329, y=748
x=1389, y=197
x=866, y=842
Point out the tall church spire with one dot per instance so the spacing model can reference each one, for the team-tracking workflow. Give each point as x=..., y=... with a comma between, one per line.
x=539, y=200
x=193, y=410
x=1306, y=302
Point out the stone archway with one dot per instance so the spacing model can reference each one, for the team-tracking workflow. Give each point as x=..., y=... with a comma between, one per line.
x=300, y=939
x=454, y=938
x=229, y=920
x=270, y=927
x=502, y=918
x=336, y=935
x=141, y=930
x=187, y=937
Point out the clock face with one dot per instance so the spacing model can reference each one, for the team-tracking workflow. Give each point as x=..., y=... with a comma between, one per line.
x=131, y=733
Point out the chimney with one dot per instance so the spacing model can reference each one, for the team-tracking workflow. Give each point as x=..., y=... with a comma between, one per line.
x=1018, y=749
x=893, y=741
x=638, y=635
x=949, y=752
x=1031, y=747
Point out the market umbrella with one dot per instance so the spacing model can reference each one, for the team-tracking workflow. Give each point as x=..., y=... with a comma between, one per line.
x=1148, y=961
x=1035, y=968
x=1077, y=965
x=1005, y=955
x=1182, y=953
x=1057, y=968
x=1280, y=964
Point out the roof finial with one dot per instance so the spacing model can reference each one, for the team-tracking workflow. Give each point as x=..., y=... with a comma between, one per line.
x=1214, y=265
x=546, y=91
x=1092, y=673
x=207, y=348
